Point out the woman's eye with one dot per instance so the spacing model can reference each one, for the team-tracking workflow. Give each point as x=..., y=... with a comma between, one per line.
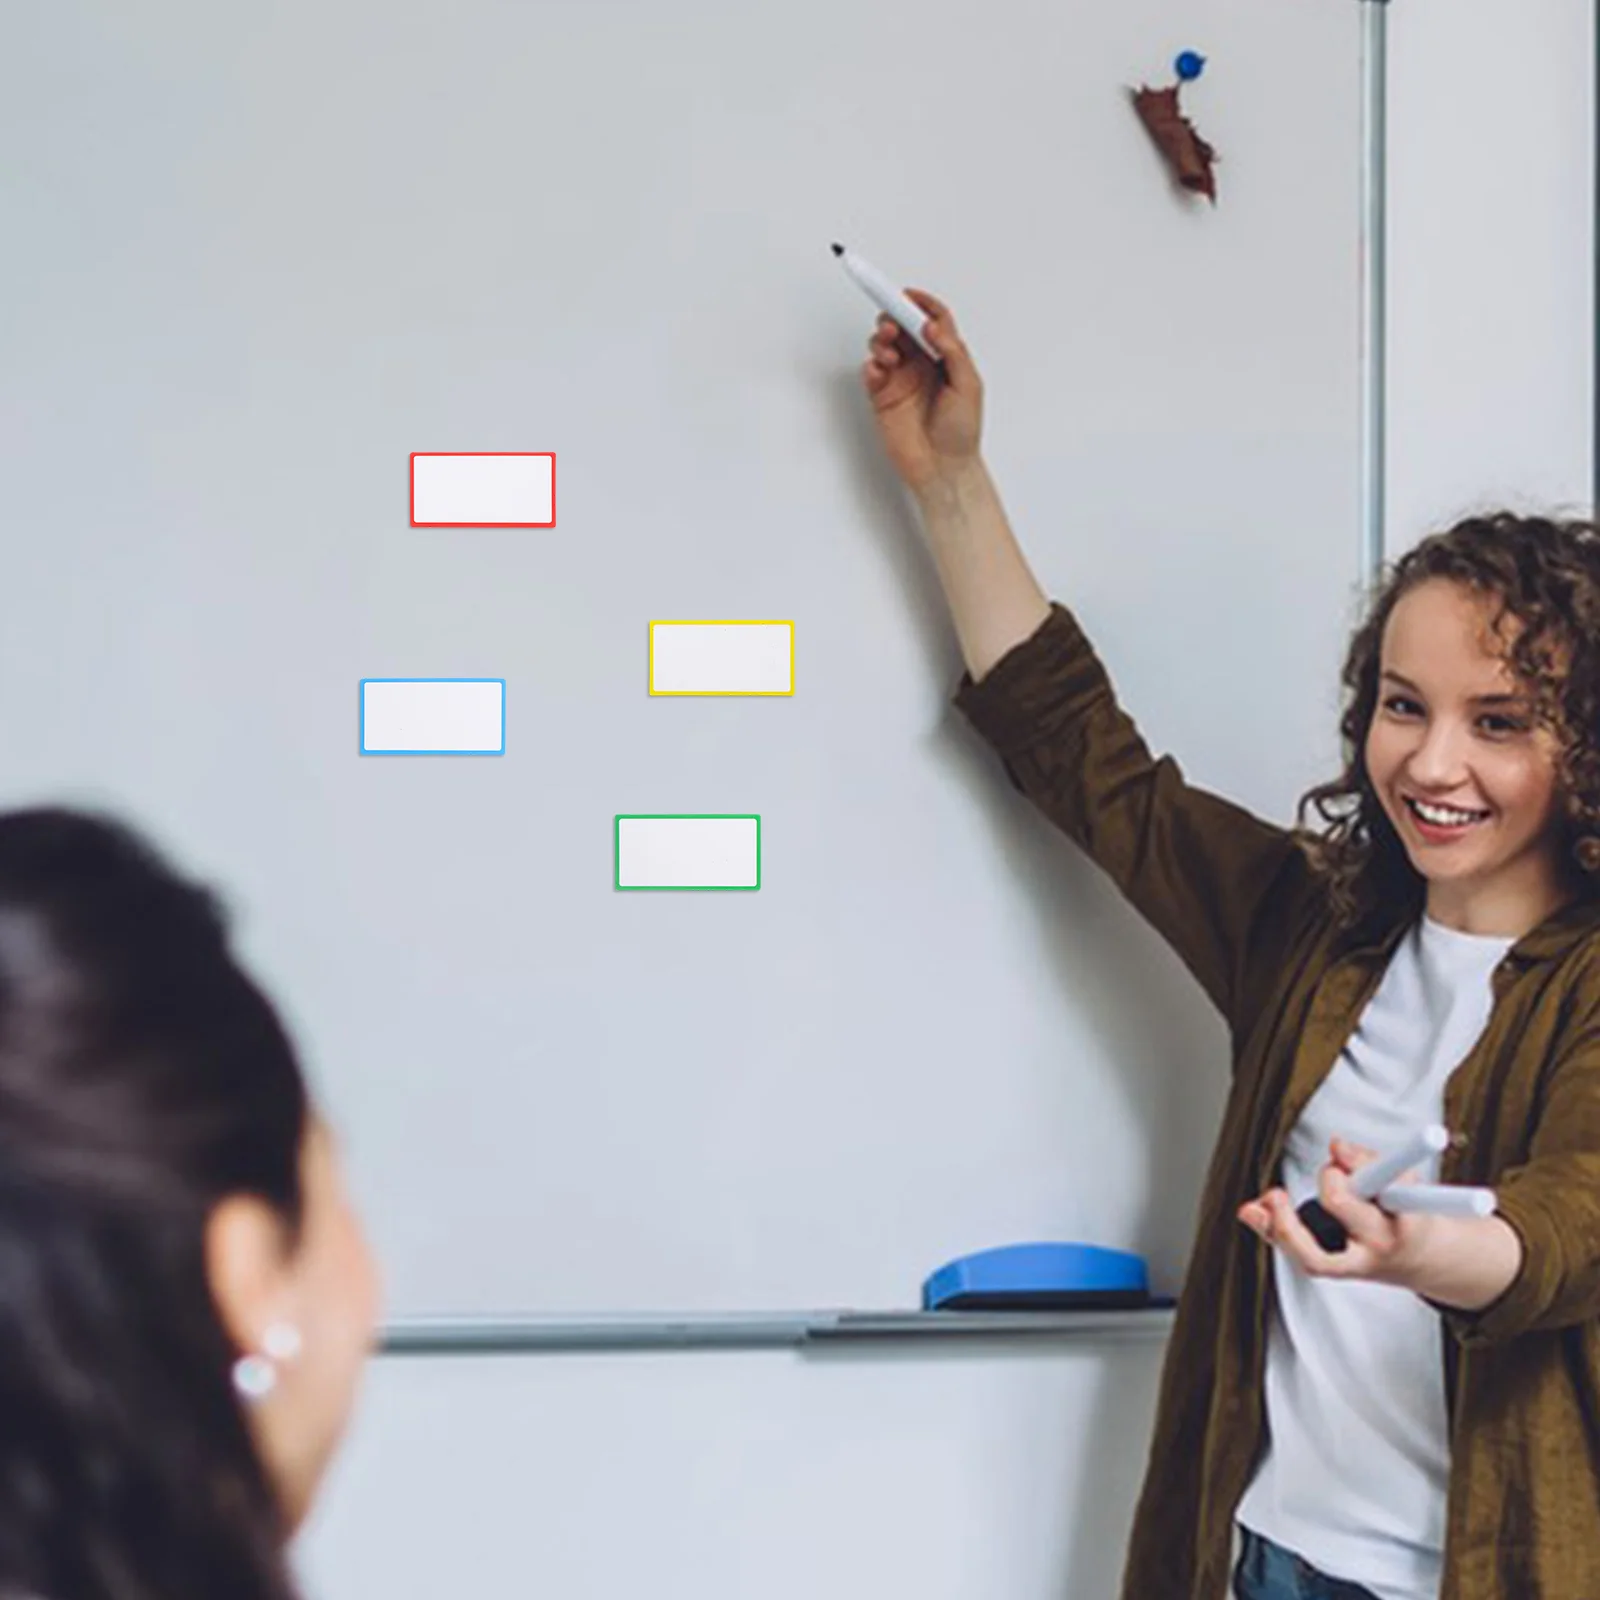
x=1402, y=705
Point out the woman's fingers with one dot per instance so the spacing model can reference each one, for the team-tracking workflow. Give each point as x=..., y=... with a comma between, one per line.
x=945, y=338
x=1350, y=1156
x=1274, y=1218
x=885, y=344
x=1362, y=1220
x=940, y=332
x=934, y=305
x=1296, y=1241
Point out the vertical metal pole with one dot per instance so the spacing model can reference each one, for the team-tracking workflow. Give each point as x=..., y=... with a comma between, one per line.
x=1374, y=265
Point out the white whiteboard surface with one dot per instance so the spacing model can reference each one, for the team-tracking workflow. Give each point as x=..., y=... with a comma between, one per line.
x=974, y=1475
x=269, y=255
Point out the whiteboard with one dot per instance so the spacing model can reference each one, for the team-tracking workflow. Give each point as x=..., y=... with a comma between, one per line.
x=270, y=254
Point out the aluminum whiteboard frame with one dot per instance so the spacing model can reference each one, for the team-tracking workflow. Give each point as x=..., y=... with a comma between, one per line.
x=1374, y=274
x=502, y=1335
x=459, y=1336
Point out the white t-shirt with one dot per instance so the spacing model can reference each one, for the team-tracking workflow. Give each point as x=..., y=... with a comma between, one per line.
x=1354, y=1476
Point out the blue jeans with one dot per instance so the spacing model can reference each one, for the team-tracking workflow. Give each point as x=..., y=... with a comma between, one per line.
x=1266, y=1571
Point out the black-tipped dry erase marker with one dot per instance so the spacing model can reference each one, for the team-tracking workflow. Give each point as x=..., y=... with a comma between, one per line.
x=886, y=297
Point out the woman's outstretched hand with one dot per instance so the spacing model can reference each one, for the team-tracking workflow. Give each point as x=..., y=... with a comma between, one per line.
x=1462, y=1262
x=1380, y=1246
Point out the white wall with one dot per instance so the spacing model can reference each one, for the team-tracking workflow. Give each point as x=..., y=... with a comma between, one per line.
x=1491, y=287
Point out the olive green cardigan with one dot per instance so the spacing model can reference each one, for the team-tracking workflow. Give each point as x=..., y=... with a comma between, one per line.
x=1239, y=903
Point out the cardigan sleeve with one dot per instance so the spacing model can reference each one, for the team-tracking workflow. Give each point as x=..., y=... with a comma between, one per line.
x=1552, y=1202
x=1200, y=869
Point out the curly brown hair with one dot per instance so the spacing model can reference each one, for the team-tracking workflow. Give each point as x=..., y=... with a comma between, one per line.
x=1544, y=572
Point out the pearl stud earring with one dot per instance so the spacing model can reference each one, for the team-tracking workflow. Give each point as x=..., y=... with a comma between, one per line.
x=256, y=1376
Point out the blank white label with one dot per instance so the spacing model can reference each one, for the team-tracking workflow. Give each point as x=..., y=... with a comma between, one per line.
x=688, y=853
x=722, y=658
x=433, y=716
x=481, y=491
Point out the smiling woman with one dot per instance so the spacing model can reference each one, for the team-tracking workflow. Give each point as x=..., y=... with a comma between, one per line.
x=1432, y=955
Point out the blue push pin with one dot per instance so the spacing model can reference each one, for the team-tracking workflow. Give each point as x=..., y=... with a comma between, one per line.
x=1190, y=65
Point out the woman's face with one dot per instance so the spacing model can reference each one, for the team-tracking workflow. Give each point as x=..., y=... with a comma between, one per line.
x=1465, y=776
x=326, y=1288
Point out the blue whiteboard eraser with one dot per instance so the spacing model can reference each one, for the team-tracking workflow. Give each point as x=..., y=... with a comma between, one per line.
x=1039, y=1277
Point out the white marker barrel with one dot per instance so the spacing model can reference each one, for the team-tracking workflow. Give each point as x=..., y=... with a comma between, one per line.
x=1377, y=1175
x=1438, y=1200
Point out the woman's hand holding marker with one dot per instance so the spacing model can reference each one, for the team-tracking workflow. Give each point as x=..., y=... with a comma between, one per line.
x=1381, y=1247
x=929, y=414
x=1454, y=1260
